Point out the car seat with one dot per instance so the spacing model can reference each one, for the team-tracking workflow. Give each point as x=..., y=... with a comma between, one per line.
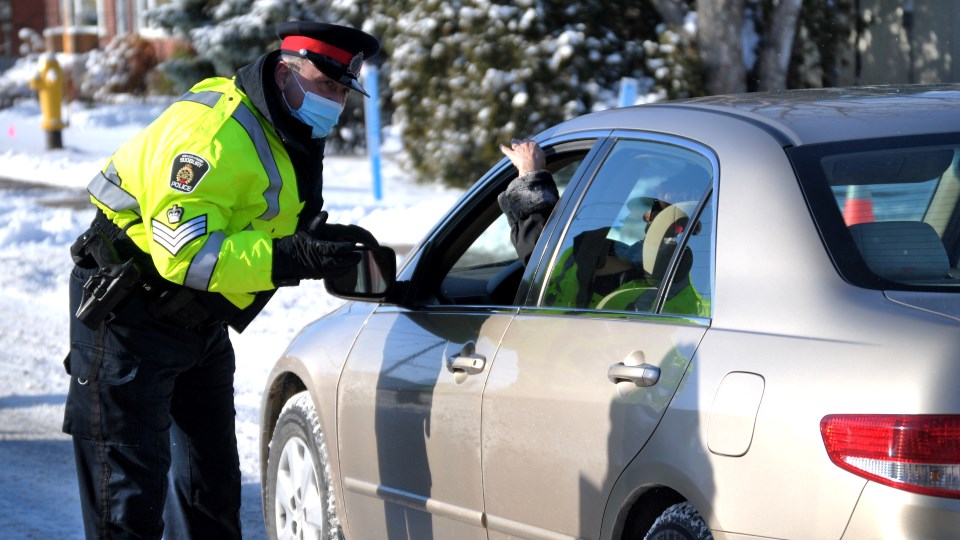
x=661, y=241
x=902, y=250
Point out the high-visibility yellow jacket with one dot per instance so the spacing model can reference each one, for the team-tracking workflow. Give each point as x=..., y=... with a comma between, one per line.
x=565, y=290
x=203, y=190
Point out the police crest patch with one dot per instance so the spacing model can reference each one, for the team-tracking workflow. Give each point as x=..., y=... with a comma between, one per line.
x=187, y=171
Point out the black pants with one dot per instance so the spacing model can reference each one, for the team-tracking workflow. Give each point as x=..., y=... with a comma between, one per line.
x=150, y=409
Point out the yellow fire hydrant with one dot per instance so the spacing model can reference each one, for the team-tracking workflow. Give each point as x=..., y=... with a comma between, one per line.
x=48, y=82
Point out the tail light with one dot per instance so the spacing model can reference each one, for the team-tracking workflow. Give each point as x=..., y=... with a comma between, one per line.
x=919, y=453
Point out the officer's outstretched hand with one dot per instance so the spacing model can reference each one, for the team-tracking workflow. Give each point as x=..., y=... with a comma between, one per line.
x=304, y=256
x=336, y=232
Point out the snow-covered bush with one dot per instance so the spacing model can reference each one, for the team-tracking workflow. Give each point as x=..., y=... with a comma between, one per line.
x=14, y=82
x=120, y=67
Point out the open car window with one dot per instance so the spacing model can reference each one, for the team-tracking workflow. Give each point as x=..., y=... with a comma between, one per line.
x=493, y=246
x=482, y=266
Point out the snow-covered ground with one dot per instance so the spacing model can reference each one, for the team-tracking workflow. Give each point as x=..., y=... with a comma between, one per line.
x=42, y=210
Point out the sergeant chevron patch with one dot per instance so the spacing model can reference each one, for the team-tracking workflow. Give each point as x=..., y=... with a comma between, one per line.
x=174, y=239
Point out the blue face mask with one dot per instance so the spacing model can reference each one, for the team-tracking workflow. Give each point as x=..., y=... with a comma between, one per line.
x=316, y=111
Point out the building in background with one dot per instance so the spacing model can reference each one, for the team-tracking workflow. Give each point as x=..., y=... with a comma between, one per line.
x=14, y=15
x=74, y=26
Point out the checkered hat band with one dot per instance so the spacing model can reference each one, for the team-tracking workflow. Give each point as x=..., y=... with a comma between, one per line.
x=295, y=43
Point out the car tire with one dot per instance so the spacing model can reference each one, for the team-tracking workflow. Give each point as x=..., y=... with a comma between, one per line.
x=679, y=522
x=299, y=501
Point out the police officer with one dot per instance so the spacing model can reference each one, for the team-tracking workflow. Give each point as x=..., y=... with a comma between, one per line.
x=200, y=217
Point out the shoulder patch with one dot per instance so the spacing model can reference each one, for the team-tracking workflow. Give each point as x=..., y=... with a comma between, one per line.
x=187, y=171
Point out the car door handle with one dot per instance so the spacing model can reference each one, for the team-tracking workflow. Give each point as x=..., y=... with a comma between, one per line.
x=642, y=375
x=466, y=361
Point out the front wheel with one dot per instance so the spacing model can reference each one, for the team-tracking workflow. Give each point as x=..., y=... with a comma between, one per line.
x=679, y=522
x=299, y=501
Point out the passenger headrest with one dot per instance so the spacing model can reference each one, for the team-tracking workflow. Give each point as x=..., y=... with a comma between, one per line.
x=901, y=250
x=660, y=241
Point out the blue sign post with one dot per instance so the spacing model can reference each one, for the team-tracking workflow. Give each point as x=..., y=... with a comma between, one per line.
x=628, y=91
x=372, y=113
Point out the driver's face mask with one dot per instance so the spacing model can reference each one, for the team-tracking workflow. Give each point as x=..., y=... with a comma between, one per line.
x=632, y=253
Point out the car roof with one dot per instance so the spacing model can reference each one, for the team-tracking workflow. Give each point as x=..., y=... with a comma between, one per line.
x=809, y=116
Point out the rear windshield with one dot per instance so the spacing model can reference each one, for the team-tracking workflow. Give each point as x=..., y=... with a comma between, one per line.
x=887, y=209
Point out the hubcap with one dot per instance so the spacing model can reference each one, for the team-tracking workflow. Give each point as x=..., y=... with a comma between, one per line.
x=298, y=506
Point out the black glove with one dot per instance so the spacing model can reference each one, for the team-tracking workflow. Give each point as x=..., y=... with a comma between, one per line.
x=336, y=232
x=303, y=256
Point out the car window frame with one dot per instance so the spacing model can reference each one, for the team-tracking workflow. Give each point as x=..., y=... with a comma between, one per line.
x=549, y=249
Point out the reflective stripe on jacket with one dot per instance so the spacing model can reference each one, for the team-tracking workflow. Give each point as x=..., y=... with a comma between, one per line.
x=204, y=189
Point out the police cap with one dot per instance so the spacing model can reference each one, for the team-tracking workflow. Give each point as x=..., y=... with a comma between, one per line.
x=337, y=51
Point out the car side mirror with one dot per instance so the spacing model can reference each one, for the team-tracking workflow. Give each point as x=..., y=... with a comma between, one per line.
x=370, y=280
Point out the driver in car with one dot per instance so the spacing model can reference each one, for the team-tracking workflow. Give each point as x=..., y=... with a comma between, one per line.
x=612, y=270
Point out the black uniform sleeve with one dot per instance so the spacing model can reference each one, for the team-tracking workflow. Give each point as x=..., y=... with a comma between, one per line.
x=527, y=203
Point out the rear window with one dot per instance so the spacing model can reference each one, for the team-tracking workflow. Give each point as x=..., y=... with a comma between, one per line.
x=887, y=209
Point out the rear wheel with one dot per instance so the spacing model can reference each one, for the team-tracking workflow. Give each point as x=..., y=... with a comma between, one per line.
x=679, y=522
x=299, y=502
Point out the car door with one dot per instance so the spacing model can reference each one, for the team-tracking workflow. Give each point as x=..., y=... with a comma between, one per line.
x=614, y=315
x=409, y=399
